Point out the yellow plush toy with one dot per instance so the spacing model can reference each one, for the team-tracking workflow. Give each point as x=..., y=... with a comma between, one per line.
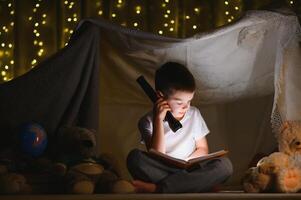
x=280, y=171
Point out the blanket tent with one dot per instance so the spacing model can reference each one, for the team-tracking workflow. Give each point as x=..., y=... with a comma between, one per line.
x=247, y=76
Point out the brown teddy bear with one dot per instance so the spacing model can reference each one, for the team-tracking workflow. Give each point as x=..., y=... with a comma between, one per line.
x=280, y=171
x=83, y=171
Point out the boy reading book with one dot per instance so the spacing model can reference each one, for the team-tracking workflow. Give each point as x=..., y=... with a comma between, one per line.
x=175, y=86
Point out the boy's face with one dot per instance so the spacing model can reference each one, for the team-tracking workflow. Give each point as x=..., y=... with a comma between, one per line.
x=179, y=102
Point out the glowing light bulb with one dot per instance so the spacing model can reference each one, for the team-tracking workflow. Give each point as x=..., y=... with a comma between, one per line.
x=3, y=73
x=166, y=15
x=226, y=3
x=34, y=61
x=135, y=24
x=40, y=53
x=171, y=29
x=100, y=12
x=236, y=8
x=2, y=44
x=194, y=26
x=69, y=19
x=196, y=10
x=44, y=15
x=168, y=11
x=113, y=15
x=6, y=67
x=11, y=62
x=160, y=32
x=172, y=21
x=165, y=24
x=10, y=45
x=187, y=17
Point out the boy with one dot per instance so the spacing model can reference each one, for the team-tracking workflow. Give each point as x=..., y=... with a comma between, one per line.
x=175, y=87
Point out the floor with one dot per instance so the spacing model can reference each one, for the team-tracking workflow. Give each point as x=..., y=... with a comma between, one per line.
x=208, y=196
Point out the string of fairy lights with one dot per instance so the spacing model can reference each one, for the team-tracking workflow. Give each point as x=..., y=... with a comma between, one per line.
x=99, y=7
x=168, y=22
x=167, y=19
x=7, y=43
x=232, y=10
x=38, y=20
x=71, y=10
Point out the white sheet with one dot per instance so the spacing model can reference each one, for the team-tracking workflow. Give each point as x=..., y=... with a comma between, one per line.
x=247, y=74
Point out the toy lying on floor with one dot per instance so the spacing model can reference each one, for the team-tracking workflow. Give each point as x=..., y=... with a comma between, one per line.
x=75, y=170
x=280, y=171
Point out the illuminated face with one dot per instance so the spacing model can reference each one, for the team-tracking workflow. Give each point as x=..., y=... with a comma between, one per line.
x=179, y=102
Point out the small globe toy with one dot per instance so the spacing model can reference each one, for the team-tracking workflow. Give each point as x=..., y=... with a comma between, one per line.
x=33, y=139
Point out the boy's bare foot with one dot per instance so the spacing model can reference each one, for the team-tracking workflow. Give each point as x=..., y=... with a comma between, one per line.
x=144, y=187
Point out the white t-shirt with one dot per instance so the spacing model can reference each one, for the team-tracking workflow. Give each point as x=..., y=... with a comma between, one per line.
x=182, y=143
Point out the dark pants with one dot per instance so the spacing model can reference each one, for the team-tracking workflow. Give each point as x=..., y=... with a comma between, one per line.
x=174, y=180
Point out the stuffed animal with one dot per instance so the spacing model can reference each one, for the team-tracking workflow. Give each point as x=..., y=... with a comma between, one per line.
x=12, y=183
x=83, y=171
x=76, y=169
x=280, y=171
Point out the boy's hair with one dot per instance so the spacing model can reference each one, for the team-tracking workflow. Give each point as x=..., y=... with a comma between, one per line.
x=174, y=76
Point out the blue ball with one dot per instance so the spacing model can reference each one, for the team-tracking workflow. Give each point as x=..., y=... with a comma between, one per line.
x=33, y=139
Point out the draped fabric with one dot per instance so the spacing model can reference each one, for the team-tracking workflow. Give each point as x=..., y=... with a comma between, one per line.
x=246, y=76
x=61, y=91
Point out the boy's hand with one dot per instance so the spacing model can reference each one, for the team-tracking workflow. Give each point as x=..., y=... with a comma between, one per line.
x=160, y=108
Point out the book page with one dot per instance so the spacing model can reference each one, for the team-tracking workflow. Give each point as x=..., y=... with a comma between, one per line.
x=182, y=163
x=208, y=156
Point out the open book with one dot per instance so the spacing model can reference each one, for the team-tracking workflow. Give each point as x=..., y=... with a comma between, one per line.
x=183, y=163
